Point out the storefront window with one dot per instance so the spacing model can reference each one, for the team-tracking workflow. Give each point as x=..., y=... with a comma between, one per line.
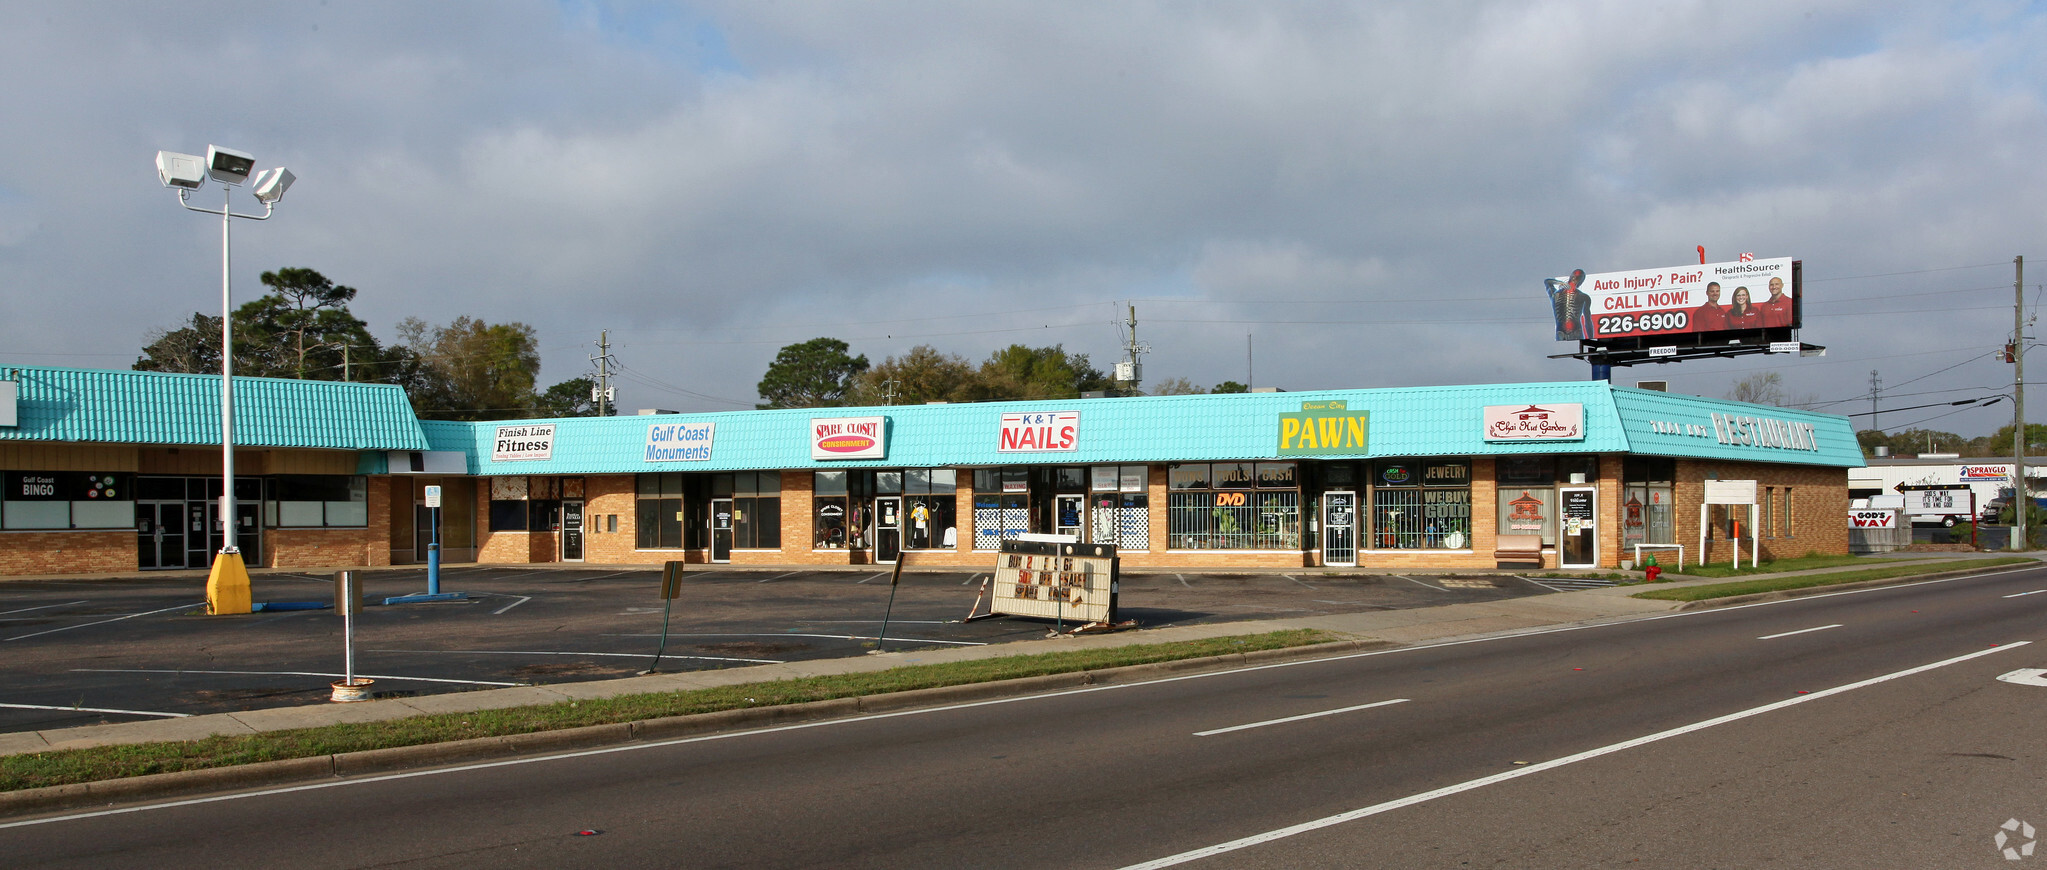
x=68, y=500
x=1648, y=501
x=658, y=512
x=1223, y=516
x=1527, y=496
x=318, y=500
x=928, y=509
x=1421, y=505
x=508, y=504
x=828, y=521
x=756, y=508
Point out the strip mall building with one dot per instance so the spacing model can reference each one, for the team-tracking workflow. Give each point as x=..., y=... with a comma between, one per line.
x=116, y=471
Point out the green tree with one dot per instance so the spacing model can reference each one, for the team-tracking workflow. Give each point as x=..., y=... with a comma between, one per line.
x=303, y=329
x=1020, y=372
x=469, y=369
x=811, y=374
x=571, y=398
x=919, y=376
x=192, y=350
x=1230, y=387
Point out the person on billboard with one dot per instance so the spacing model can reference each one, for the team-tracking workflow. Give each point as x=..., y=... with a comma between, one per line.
x=1710, y=317
x=1571, y=307
x=1742, y=314
x=1776, y=309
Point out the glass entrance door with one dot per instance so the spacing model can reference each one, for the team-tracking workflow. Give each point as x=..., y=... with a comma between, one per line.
x=888, y=529
x=160, y=534
x=721, y=530
x=572, y=530
x=1340, y=529
x=1578, y=527
x=1068, y=514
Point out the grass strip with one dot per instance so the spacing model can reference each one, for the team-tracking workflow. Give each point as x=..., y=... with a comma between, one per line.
x=92, y=764
x=1807, y=562
x=1805, y=581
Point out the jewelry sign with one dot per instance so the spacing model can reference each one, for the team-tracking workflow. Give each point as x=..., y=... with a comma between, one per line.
x=1056, y=581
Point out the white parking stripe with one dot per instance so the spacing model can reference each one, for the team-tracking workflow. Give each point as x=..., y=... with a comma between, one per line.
x=528, y=652
x=288, y=674
x=1438, y=588
x=2023, y=594
x=1300, y=717
x=824, y=636
x=43, y=607
x=1296, y=580
x=1800, y=631
x=1495, y=779
x=780, y=576
x=102, y=622
x=97, y=710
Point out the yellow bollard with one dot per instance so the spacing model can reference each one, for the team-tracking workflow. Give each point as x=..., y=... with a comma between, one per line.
x=227, y=586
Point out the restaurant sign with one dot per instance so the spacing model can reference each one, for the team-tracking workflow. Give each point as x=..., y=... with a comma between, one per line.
x=1555, y=422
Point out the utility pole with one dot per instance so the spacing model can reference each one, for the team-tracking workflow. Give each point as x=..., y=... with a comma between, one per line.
x=1876, y=389
x=2021, y=494
x=888, y=391
x=1130, y=372
x=602, y=395
x=1250, y=370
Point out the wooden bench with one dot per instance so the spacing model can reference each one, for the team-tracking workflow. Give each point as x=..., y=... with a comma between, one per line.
x=1518, y=549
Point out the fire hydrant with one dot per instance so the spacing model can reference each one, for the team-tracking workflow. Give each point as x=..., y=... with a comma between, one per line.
x=1650, y=568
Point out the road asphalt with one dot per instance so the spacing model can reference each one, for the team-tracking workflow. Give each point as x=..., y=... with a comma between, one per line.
x=1357, y=630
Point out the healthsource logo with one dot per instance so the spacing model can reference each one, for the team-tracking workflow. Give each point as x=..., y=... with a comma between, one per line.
x=2009, y=840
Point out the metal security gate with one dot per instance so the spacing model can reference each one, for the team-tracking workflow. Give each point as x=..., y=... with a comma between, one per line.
x=1340, y=529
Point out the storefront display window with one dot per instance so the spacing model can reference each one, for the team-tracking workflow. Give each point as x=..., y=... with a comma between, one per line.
x=829, y=523
x=928, y=509
x=1648, y=501
x=317, y=501
x=1421, y=505
x=756, y=508
x=1224, y=516
x=659, y=512
x=67, y=500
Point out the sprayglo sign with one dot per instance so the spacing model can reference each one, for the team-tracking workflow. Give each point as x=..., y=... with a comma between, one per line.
x=847, y=438
x=1709, y=297
x=679, y=442
x=1986, y=472
x=1323, y=429
x=1557, y=422
x=1053, y=431
x=523, y=443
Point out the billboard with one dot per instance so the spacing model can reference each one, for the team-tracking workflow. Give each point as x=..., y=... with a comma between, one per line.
x=1745, y=294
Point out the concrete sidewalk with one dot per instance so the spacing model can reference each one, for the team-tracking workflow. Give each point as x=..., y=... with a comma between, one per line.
x=1396, y=627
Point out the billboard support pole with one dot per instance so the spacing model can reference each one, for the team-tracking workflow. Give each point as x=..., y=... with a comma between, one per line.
x=2021, y=494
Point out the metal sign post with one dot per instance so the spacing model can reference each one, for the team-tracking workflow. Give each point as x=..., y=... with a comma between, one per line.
x=893, y=580
x=348, y=600
x=432, y=501
x=671, y=589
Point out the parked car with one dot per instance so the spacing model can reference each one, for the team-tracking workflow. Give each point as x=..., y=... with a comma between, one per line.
x=1993, y=509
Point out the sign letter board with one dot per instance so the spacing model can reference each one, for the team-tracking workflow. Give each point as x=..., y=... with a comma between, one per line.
x=1055, y=581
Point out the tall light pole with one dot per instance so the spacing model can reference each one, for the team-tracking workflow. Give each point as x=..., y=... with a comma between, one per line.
x=227, y=585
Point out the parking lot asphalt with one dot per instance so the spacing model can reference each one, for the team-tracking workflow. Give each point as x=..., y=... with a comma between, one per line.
x=76, y=652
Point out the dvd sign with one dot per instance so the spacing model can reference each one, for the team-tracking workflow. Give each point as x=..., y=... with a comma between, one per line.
x=848, y=438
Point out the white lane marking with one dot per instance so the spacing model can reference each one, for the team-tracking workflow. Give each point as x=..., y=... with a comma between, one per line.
x=1299, y=718
x=43, y=607
x=970, y=579
x=103, y=621
x=529, y=652
x=824, y=636
x=921, y=711
x=1183, y=581
x=288, y=674
x=1482, y=782
x=1800, y=631
x=2026, y=677
x=780, y=576
x=2024, y=594
x=522, y=600
x=1439, y=588
x=97, y=710
x=875, y=577
x=1296, y=580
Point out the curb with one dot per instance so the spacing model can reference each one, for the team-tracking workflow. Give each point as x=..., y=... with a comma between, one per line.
x=1804, y=591
x=303, y=771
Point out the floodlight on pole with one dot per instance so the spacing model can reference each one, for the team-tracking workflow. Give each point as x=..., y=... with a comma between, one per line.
x=227, y=584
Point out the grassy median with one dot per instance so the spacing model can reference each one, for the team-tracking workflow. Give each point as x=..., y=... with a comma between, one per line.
x=34, y=770
x=1832, y=578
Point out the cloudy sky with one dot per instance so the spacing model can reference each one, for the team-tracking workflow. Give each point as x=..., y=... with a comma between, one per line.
x=1364, y=194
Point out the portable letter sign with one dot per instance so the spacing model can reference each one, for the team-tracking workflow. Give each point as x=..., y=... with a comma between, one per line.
x=1075, y=582
x=671, y=581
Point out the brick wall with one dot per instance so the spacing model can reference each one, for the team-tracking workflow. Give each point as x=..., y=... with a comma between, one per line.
x=1818, y=514
x=67, y=552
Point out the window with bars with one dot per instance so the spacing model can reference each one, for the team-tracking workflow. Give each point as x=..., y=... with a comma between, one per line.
x=1233, y=520
x=1418, y=519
